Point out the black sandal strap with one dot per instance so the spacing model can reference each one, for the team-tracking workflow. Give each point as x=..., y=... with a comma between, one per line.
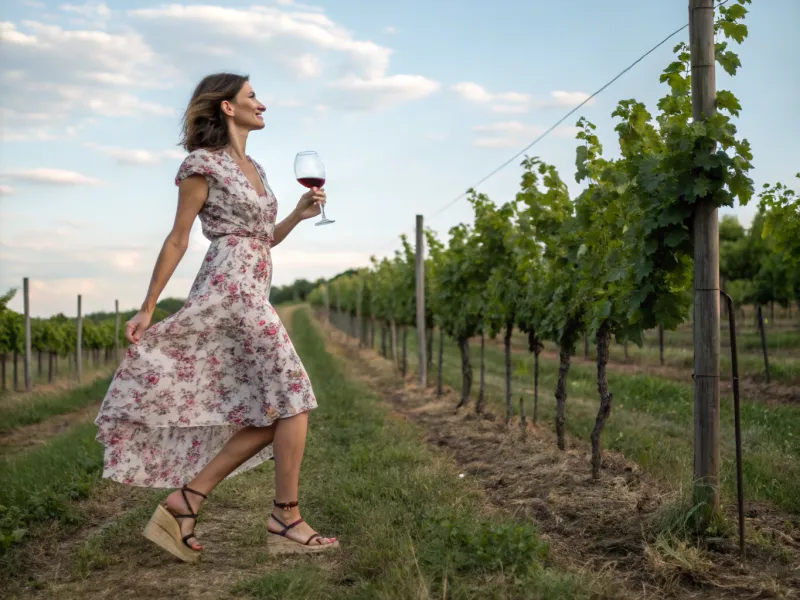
x=188, y=489
x=186, y=539
x=316, y=535
x=285, y=504
x=285, y=526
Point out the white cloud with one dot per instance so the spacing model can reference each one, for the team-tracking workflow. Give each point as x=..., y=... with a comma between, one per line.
x=50, y=176
x=390, y=30
x=472, y=92
x=132, y=156
x=516, y=102
x=303, y=42
x=6, y=190
x=285, y=33
x=353, y=93
x=305, y=65
x=92, y=14
x=560, y=98
x=53, y=77
x=507, y=134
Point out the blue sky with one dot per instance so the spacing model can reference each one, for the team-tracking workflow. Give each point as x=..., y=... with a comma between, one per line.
x=408, y=103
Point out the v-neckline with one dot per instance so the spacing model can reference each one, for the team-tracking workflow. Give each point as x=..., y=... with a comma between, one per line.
x=255, y=168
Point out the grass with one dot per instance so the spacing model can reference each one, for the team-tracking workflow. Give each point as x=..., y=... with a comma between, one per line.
x=407, y=523
x=41, y=485
x=39, y=407
x=784, y=358
x=651, y=422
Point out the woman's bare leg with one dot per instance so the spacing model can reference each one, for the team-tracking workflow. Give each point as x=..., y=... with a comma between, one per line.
x=245, y=443
x=288, y=447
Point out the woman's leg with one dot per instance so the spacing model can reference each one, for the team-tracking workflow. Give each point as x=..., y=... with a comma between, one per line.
x=245, y=443
x=288, y=447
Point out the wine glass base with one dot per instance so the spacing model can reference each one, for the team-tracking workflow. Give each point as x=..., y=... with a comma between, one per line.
x=324, y=221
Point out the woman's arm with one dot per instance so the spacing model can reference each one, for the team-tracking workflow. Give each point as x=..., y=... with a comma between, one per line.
x=283, y=228
x=192, y=194
x=308, y=207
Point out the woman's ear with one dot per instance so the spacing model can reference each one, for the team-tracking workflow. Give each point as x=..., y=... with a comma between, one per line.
x=227, y=108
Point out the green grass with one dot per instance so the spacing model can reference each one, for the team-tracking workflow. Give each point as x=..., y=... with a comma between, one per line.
x=40, y=407
x=405, y=520
x=652, y=422
x=784, y=359
x=40, y=485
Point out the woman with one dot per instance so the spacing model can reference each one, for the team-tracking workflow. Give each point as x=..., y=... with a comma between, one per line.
x=217, y=388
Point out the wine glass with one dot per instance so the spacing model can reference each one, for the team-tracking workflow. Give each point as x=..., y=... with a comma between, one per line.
x=310, y=172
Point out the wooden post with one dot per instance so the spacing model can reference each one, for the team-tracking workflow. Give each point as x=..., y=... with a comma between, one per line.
x=79, y=341
x=422, y=361
x=116, y=331
x=359, y=322
x=661, y=344
x=706, y=319
x=26, y=302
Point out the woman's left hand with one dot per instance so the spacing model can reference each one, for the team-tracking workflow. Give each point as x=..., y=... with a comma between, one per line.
x=310, y=203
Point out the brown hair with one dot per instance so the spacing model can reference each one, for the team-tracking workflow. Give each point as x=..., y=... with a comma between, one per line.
x=204, y=124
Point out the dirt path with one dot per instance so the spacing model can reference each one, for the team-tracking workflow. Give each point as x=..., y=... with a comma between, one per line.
x=37, y=434
x=600, y=526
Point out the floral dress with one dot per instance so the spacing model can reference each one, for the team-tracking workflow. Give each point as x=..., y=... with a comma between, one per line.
x=222, y=362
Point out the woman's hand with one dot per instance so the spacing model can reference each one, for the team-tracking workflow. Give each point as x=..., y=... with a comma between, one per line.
x=136, y=326
x=310, y=203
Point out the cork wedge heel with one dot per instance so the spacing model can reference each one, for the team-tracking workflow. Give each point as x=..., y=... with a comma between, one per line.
x=164, y=530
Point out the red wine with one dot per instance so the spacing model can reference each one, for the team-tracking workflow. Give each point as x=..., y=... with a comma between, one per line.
x=310, y=182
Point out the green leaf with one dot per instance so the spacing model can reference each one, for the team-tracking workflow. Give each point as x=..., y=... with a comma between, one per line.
x=675, y=237
x=729, y=61
x=727, y=101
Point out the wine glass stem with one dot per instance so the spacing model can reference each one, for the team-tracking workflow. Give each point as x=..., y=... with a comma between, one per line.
x=323, y=212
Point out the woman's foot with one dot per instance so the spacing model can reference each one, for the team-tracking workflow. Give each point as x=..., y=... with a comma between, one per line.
x=184, y=505
x=288, y=523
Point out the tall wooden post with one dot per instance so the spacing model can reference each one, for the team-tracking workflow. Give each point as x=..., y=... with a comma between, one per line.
x=422, y=360
x=26, y=302
x=116, y=331
x=706, y=280
x=79, y=341
x=359, y=317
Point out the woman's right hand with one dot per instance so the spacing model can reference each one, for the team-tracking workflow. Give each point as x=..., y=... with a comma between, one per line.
x=137, y=325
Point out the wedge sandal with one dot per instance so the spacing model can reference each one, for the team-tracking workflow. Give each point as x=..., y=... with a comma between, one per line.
x=164, y=529
x=281, y=543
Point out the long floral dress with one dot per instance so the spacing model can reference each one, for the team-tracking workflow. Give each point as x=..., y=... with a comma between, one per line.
x=222, y=362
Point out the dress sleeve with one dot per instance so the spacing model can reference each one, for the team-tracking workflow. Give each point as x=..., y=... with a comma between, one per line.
x=199, y=162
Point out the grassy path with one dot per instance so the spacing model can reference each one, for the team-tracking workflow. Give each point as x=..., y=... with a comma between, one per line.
x=409, y=526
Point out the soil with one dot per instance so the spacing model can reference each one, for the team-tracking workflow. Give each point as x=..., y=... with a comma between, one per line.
x=605, y=527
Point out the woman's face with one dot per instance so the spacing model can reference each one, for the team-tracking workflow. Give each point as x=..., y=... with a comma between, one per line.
x=245, y=110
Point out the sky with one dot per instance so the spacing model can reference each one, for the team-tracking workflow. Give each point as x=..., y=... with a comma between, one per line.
x=408, y=104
